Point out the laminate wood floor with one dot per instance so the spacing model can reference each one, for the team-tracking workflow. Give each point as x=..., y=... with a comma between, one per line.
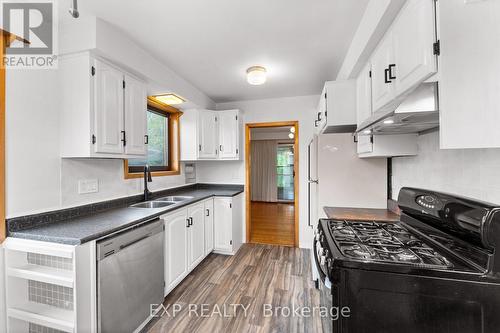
x=272, y=223
x=255, y=276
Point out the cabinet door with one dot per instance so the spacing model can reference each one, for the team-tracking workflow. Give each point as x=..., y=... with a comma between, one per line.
x=228, y=134
x=207, y=135
x=365, y=144
x=135, y=116
x=109, y=122
x=413, y=37
x=223, y=224
x=196, y=235
x=382, y=86
x=364, y=94
x=322, y=110
x=209, y=226
x=176, y=248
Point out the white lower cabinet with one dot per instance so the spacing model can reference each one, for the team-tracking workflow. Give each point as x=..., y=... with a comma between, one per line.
x=228, y=227
x=176, y=248
x=189, y=235
x=196, y=235
x=209, y=226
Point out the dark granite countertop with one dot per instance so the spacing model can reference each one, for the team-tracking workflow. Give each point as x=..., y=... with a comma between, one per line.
x=94, y=223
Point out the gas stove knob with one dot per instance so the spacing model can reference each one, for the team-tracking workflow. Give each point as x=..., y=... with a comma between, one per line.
x=322, y=260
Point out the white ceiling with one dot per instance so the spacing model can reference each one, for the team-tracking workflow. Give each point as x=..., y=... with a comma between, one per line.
x=302, y=43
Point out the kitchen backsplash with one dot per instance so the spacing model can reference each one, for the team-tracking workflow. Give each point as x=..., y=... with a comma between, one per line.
x=469, y=172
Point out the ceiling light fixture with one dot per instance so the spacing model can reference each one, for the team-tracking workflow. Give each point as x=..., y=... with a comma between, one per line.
x=169, y=99
x=292, y=129
x=256, y=75
x=291, y=135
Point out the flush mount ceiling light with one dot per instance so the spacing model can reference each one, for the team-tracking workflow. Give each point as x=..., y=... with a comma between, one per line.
x=292, y=129
x=256, y=75
x=169, y=99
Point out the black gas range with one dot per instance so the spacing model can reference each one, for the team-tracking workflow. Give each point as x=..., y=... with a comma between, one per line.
x=433, y=271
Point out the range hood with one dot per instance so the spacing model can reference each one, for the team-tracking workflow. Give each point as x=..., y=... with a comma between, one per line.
x=417, y=113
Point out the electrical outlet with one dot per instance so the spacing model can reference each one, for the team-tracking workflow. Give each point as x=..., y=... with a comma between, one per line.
x=88, y=186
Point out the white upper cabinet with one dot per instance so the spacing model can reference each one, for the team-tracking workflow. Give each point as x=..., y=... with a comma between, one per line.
x=228, y=134
x=210, y=135
x=364, y=94
x=135, y=116
x=405, y=56
x=414, y=35
x=109, y=118
x=469, y=74
x=382, y=62
x=337, y=107
x=100, y=115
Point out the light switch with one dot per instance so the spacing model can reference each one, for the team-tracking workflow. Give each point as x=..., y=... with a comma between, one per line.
x=88, y=186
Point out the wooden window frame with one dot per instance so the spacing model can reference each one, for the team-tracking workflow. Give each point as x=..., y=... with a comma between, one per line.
x=173, y=142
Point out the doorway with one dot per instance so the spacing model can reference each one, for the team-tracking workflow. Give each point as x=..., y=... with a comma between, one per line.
x=271, y=156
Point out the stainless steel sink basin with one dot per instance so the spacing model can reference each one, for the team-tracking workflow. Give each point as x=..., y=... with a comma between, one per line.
x=153, y=204
x=175, y=198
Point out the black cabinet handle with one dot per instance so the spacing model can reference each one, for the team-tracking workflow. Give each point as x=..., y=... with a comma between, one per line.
x=386, y=75
x=391, y=76
x=316, y=123
x=208, y=212
x=190, y=221
x=187, y=223
x=124, y=138
x=319, y=116
x=146, y=139
x=220, y=147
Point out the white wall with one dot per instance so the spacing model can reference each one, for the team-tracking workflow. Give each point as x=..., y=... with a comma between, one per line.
x=468, y=172
x=270, y=136
x=111, y=181
x=33, y=166
x=270, y=110
x=345, y=180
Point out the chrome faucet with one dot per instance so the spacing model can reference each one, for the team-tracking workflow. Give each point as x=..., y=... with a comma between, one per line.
x=147, y=179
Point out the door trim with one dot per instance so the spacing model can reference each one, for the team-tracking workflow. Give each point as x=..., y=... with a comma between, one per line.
x=248, y=202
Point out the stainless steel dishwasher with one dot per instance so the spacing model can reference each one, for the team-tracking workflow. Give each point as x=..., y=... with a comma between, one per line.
x=130, y=277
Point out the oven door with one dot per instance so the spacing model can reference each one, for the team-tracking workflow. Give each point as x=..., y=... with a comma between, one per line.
x=324, y=287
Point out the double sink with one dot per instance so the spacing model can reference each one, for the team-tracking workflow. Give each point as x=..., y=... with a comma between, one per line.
x=162, y=202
